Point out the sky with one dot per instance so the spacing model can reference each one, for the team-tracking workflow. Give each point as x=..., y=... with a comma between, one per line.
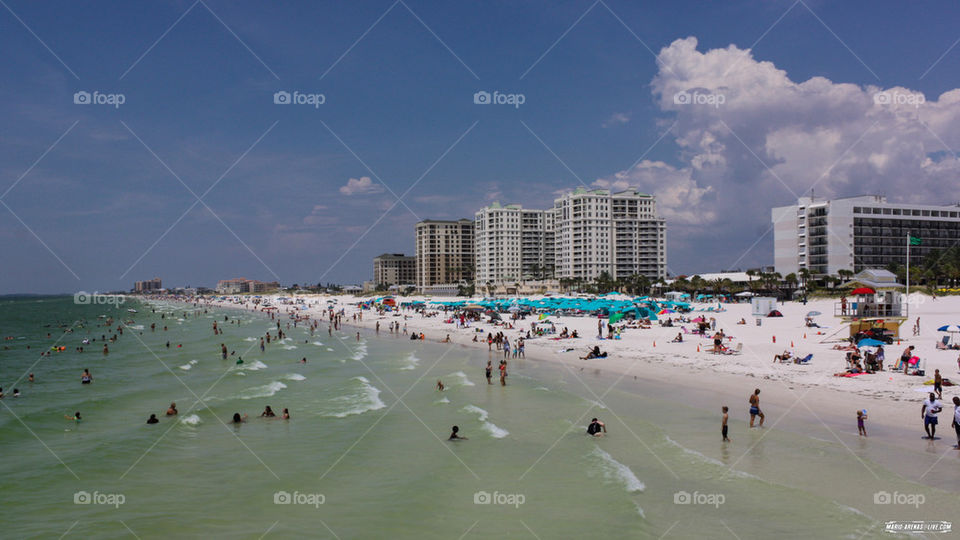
x=295, y=141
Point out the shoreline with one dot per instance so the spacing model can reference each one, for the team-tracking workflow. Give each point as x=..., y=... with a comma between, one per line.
x=802, y=407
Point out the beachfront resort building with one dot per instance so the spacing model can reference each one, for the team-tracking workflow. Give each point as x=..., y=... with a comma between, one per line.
x=855, y=233
x=513, y=244
x=244, y=285
x=445, y=254
x=148, y=286
x=599, y=231
x=394, y=269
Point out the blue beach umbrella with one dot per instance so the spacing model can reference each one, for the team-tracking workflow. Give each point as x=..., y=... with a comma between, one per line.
x=952, y=328
x=867, y=342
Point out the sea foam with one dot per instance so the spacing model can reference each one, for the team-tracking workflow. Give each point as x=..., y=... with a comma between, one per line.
x=190, y=420
x=615, y=471
x=362, y=398
x=266, y=390
x=460, y=379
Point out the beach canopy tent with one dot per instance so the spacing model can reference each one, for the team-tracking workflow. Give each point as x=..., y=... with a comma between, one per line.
x=868, y=342
x=774, y=313
x=862, y=291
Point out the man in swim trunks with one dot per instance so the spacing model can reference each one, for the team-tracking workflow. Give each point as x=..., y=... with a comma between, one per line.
x=596, y=428
x=755, y=407
x=931, y=406
x=454, y=434
x=489, y=371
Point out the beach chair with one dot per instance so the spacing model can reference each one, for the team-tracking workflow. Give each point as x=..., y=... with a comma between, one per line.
x=735, y=350
x=805, y=360
x=942, y=345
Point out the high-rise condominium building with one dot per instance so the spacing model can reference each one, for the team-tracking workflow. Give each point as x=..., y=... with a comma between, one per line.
x=513, y=244
x=599, y=231
x=855, y=233
x=445, y=254
x=394, y=269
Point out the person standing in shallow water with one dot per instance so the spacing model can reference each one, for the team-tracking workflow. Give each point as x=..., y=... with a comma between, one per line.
x=755, y=407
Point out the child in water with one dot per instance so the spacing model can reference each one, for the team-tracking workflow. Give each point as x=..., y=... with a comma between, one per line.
x=861, y=417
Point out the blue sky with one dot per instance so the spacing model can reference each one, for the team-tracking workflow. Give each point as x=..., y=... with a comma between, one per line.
x=96, y=196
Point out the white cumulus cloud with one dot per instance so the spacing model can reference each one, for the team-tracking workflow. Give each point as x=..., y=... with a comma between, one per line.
x=361, y=186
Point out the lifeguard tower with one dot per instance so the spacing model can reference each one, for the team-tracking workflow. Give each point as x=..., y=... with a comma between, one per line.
x=876, y=300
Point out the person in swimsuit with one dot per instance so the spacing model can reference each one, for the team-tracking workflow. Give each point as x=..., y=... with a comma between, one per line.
x=172, y=411
x=596, y=428
x=440, y=386
x=454, y=434
x=75, y=417
x=755, y=407
x=956, y=419
x=153, y=419
x=723, y=423
x=86, y=378
x=861, y=417
x=489, y=371
x=267, y=413
x=286, y=414
x=237, y=419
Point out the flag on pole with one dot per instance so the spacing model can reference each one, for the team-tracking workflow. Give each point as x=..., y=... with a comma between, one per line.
x=914, y=241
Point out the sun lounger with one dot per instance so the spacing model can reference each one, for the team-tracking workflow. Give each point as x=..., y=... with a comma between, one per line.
x=735, y=350
x=806, y=359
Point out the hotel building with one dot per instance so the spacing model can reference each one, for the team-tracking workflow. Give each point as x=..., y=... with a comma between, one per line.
x=445, y=253
x=856, y=233
x=394, y=269
x=599, y=231
x=513, y=244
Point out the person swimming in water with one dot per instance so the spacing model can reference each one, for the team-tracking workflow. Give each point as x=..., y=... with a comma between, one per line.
x=267, y=413
x=596, y=428
x=237, y=419
x=172, y=411
x=153, y=419
x=86, y=378
x=454, y=434
x=286, y=414
x=75, y=417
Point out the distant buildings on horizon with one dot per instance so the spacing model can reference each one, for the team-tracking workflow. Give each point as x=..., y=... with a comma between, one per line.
x=585, y=234
x=148, y=285
x=244, y=285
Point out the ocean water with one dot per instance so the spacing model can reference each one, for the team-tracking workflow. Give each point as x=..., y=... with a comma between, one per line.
x=365, y=453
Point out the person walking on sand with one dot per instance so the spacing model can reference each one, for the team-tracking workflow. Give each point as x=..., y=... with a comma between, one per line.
x=956, y=419
x=723, y=423
x=931, y=407
x=861, y=418
x=938, y=383
x=755, y=407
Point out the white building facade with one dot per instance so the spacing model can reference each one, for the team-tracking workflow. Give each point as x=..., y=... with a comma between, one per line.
x=856, y=233
x=619, y=233
x=513, y=244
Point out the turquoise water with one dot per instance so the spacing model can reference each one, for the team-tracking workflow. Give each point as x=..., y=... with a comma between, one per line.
x=365, y=454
